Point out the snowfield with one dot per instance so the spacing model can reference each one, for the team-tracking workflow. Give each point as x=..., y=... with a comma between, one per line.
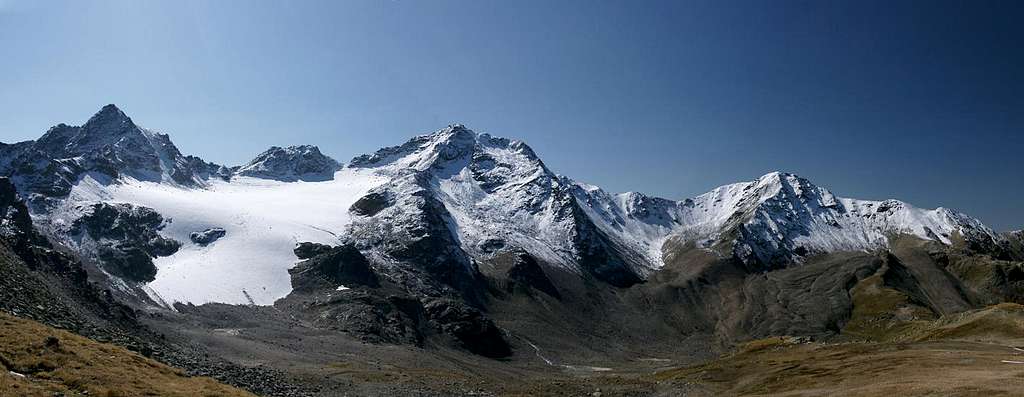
x=264, y=220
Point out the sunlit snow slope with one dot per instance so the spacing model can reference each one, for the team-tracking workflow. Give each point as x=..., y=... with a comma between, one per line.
x=264, y=220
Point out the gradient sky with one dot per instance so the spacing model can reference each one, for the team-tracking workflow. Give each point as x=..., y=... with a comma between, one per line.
x=917, y=100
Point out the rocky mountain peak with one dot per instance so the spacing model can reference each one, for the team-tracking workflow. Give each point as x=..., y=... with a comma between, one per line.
x=109, y=143
x=109, y=118
x=292, y=163
x=108, y=128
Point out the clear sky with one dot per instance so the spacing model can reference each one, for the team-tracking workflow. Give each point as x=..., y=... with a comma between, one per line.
x=917, y=100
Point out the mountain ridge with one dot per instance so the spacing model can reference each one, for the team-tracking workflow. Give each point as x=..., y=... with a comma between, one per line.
x=463, y=253
x=476, y=194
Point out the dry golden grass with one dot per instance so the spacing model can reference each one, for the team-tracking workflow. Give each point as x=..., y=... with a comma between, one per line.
x=967, y=354
x=863, y=369
x=1002, y=323
x=881, y=313
x=55, y=361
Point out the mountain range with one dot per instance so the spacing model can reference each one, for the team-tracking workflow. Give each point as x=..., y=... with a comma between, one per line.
x=470, y=242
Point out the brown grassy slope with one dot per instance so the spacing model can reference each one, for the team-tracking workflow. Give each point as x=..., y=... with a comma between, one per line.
x=943, y=368
x=957, y=355
x=54, y=361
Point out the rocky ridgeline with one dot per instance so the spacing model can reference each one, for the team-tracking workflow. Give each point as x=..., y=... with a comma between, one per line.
x=110, y=145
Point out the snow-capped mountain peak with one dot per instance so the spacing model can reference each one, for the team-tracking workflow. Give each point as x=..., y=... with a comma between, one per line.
x=424, y=151
x=780, y=217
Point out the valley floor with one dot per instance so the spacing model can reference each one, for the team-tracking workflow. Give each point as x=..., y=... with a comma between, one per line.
x=949, y=357
x=979, y=353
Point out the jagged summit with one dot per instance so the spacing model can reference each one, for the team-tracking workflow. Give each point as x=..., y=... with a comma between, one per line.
x=108, y=117
x=107, y=127
x=289, y=164
x=109, y=146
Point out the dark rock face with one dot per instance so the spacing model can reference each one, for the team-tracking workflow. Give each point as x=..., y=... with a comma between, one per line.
x=36, y=172
x=205, y=170
x=293, y=163
x=342, y=265
x=15, y=222
x=308, y=250
x=492, y=245
x=388, y=311
x=975, y=241
x=127, y=238
x=469, y=326
x=371, y=204
x=1015, y=244
x=128, y=262
x=527, y=273
x=375, y=318
x=207, y=236
x=598, y=253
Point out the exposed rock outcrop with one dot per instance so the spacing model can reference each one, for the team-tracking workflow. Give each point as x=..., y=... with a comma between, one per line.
x=126, y=239
x=208, y=236
x=469, y=326
x=329, y=268
x=526, y=273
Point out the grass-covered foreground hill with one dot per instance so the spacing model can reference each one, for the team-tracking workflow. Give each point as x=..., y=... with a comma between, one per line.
x=37, y=360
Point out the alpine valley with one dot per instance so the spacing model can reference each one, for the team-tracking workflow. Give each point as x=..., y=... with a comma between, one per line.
x=457, y=263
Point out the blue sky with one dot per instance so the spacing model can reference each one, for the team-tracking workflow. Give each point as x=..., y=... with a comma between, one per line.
x=917, y=100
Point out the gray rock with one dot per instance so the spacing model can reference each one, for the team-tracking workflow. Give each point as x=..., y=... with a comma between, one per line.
x=208, y=236
x=289, y=164
x=127, y=238
x=469, y=326
x=329, y=268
